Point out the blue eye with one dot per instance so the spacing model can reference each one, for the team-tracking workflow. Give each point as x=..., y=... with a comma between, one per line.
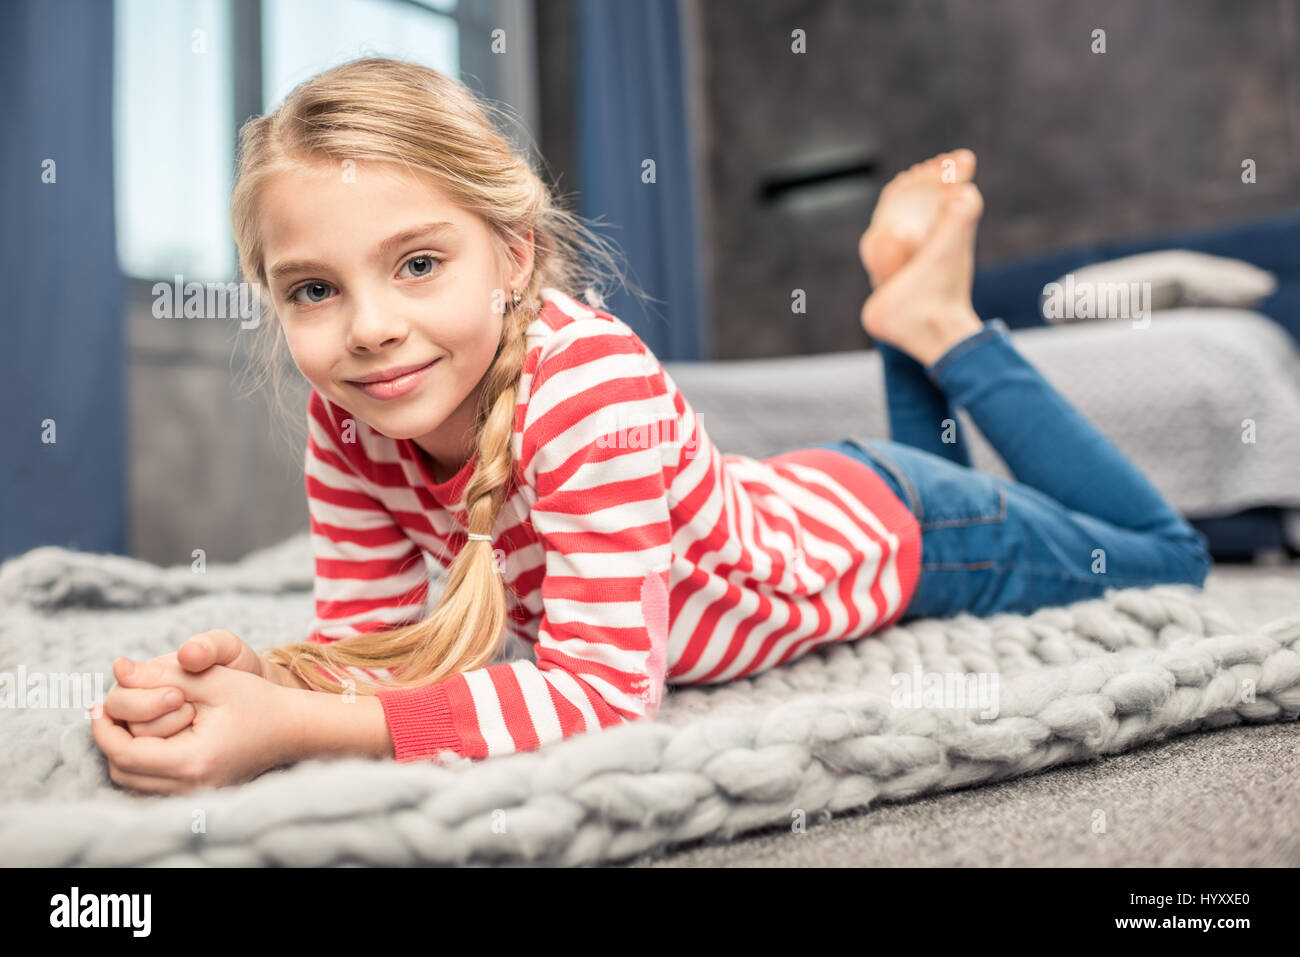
x=309, y=285
x=423, y=258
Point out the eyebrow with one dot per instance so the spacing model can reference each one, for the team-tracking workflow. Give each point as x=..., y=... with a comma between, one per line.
x=282, y=269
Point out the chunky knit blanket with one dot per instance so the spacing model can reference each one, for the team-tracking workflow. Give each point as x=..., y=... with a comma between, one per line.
x=882, y=718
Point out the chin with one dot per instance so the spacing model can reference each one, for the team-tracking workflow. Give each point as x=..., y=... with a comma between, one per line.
x=403, y=427
x=394, y=423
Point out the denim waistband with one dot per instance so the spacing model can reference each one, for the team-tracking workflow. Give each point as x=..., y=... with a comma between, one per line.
x=890, y=473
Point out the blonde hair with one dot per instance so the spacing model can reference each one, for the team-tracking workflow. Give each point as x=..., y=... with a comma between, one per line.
x=389, y=110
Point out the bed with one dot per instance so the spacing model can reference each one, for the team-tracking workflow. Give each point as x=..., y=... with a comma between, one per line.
x=1172, y=396
x=1258, y=524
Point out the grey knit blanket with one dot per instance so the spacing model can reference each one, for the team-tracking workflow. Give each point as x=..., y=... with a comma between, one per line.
x=919, y=708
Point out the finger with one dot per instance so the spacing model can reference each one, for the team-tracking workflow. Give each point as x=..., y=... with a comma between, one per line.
x=142, y=704
x=160, y=757
x=198, y=653
x=155, y=673
x=147, y=783
x=123, y=668
x=165, y=726
x=108, y=733
x=143, y=674
x=219, y=647
x=100, y=710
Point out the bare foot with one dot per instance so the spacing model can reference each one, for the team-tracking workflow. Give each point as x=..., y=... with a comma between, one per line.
x=924, y=308
x=907, y=209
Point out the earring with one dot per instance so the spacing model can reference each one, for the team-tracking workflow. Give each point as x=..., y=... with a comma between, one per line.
x=517, y=298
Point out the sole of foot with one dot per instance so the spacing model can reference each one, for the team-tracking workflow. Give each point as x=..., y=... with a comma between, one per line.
x=924, y=308
x=907, y=210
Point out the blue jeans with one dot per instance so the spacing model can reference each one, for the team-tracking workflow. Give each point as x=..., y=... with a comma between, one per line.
x=1079, y=519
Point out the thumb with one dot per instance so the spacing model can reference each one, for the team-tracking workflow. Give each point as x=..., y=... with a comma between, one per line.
x=219, y=647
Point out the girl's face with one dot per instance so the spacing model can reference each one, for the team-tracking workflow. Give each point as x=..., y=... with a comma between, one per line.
x=374, y=271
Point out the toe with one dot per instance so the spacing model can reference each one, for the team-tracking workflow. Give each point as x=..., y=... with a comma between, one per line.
x=931, y=166
x=963, y=163
x=954, y=167
x=966, y=202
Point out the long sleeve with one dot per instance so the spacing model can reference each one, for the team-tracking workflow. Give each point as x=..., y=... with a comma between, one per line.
x=598, y=435
x=369, y=574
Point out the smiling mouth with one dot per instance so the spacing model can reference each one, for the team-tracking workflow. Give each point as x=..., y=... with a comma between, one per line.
x=401, y=371
x=398, y=385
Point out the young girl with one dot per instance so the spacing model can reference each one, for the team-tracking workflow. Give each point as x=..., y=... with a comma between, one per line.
x=467, y=408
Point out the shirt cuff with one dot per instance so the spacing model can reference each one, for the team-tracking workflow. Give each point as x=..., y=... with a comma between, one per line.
x=420, y=722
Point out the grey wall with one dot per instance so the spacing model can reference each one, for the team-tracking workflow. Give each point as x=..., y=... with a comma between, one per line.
x=1073, y=145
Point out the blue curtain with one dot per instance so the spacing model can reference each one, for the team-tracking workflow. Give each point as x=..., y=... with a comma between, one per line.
x=64, y=357
x=632, y=107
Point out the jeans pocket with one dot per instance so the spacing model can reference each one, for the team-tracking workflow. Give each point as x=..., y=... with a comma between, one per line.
x=953, y=496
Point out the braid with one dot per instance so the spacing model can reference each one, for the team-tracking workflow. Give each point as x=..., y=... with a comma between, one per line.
x=467, y=628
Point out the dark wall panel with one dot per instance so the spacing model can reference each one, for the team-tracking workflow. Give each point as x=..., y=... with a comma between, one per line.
x=1073, y=145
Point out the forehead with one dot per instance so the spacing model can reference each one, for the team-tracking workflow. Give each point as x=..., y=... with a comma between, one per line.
x=313, y=208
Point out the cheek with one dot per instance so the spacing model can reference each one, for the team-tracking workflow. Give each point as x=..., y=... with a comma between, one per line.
x=308, y=351
x=472, y=341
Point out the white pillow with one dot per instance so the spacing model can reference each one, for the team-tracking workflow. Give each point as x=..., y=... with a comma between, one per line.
x=1177, y=278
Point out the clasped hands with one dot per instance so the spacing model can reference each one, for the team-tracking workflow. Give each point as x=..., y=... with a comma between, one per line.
x=210, y=714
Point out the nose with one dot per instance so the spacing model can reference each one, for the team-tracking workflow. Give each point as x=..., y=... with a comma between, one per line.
x=372, y=325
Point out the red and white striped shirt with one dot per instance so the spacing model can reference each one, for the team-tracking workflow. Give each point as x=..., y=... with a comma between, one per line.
x=635, y=555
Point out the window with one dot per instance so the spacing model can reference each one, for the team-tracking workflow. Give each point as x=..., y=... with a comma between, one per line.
x=173, y=140
x=187, y=72
x=300, y=38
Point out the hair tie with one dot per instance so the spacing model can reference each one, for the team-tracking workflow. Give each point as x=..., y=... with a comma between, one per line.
x=475, y=537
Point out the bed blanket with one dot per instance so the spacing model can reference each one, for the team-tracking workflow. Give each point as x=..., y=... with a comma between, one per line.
x=1204, y=402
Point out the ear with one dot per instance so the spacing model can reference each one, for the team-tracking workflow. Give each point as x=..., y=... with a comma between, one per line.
x=521, y=261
